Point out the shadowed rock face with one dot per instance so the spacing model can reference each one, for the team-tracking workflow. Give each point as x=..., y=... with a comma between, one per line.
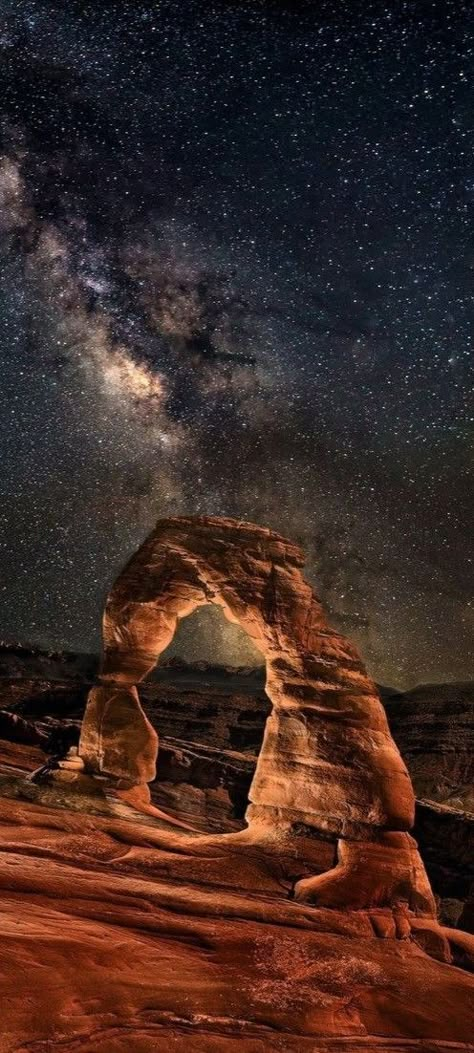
x=435, y=724
x=328, y=765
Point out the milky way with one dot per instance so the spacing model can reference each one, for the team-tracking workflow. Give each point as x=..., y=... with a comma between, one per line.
x=236, y=279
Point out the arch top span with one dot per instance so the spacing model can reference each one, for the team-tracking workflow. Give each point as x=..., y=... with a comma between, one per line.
x=188, y=562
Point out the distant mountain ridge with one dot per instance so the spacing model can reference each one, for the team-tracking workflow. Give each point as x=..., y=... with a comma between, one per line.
x=70, y=661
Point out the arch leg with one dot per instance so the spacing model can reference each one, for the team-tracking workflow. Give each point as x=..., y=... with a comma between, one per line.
x=117, y=738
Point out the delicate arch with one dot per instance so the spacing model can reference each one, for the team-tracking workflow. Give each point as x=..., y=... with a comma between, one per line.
x=327, y=760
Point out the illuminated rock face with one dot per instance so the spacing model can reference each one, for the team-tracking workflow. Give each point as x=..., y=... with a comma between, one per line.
x=328, y=765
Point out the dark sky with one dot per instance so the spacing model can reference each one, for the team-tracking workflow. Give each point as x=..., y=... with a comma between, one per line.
x=236, y=265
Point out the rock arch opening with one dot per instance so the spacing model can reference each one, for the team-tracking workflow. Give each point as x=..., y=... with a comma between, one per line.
x=207, y=637
x=206, y=699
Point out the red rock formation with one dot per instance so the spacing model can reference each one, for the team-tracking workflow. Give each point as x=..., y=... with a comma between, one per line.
x=328, y=766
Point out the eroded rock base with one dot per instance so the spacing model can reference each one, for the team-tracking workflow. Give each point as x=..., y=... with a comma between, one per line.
x=387, y=872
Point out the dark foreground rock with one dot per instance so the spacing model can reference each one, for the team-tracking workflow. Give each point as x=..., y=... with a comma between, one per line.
x=434, y=727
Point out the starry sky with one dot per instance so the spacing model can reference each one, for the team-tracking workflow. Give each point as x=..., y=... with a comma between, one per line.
x=236, y=278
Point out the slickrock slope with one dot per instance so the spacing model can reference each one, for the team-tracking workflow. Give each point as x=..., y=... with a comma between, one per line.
x=121, y=937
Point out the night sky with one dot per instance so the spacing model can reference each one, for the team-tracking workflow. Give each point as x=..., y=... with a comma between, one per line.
x=236, y=278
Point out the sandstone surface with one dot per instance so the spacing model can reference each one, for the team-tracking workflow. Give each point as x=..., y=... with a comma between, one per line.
x=119, y=936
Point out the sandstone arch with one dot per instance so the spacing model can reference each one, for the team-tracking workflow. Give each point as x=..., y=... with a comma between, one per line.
x=328, y=765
